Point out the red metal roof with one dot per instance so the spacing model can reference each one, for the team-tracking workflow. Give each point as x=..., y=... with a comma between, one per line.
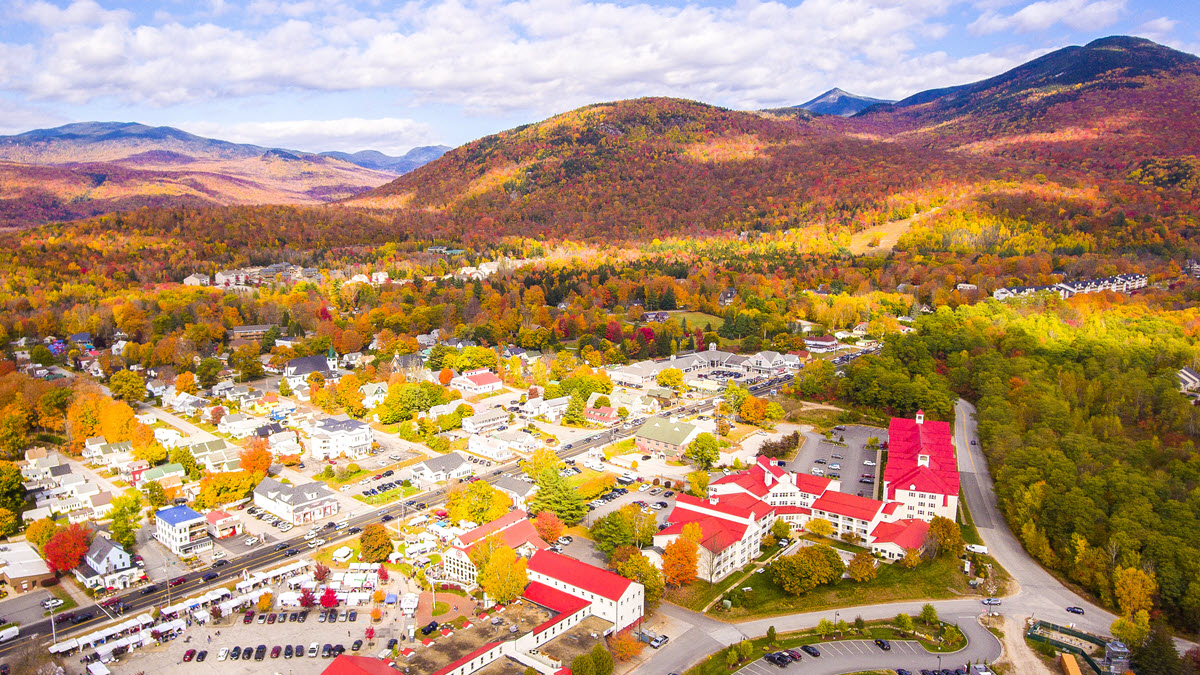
x=716, y=534
x=507, y=520
x=907, y=441
x=483, y=379
x=358, y=665
x=734, y=505
x=455, y=664
x=906, y=534
x=516, y=535
x=563, y=604
x=847, y=505
x=579, y=574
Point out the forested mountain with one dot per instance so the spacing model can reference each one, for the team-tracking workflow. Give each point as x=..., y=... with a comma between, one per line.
x=89, y=168
x=839, y=102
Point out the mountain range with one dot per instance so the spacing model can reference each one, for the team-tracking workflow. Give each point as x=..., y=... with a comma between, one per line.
x=87, y=168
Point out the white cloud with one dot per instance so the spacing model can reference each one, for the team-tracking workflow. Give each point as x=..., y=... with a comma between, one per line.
x=1159, y=29
x=1037, y=16
x=540, y=56
x=80, y=13
x=389, y=135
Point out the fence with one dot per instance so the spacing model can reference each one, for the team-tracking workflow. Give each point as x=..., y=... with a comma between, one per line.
x=1033, y=635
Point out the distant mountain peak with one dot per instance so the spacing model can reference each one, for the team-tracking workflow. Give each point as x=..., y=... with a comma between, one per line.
x=838, y=101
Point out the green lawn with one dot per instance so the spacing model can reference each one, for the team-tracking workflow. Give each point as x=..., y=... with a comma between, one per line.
x=61, y=593
x=969, y=533
x=699, y=319
x=933, y=580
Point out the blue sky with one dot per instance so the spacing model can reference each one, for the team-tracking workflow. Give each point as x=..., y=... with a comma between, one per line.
x=315, y=75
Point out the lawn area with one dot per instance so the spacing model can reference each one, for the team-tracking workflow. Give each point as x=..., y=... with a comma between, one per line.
x=61, y=593
x=618, y=448
x=699, y=319
x=969, y=533
x=937, y=579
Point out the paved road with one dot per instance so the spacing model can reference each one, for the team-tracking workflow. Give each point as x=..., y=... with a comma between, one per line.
x=194, y=433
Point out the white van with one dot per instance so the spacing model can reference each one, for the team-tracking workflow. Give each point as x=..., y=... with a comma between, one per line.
x=976, y=548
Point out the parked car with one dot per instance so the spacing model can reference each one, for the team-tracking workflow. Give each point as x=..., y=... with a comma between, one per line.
x=249, y=617
x=883, y=644
x=810, y=650
x=353, y=615
x=1075, y=610
x=357, y=645
x=276, y=651
x=429, y=628
x=201, y=656
x=287, y=651
x=189, y=655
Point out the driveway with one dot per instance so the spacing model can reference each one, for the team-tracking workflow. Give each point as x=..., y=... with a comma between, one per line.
x=194, y=433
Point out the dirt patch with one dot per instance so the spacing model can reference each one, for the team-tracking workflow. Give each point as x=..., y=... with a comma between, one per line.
x=1018, y=657
x=880, y=239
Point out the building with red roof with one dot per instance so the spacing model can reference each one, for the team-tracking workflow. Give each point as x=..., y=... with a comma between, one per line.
x=347, y=664
x=477, y=382
x=613, y=598
x=606, y=415
x=732, y=526
x=221, y=524
x=513, y=529
x=922, y=468
x=893, y=540
x=777, y=486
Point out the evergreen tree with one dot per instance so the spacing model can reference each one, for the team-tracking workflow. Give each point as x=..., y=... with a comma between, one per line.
x=574, y=415
x=555, y=495
x=1157, y=655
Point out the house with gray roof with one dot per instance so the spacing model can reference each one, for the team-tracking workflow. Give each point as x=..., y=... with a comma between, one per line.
x=296, y=504
x=450, y=466
x=520, y=491
x=107, y=565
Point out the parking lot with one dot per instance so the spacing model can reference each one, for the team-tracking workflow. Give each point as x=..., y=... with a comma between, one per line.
x=233, y=633
x=852, y=655
x=819, y=453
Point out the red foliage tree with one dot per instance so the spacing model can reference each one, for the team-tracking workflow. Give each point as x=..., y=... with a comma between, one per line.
x=320, y=572
x=307, y=599
x=329, y=599
x=66, y=548
x=383, y=574
x=256, y=458
x=548, y=526
x=369, y=633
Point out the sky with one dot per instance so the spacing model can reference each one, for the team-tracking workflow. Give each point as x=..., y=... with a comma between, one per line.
x=352, y=75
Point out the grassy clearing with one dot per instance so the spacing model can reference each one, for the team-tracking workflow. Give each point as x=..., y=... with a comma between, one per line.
x=61, y=593
x=934, y=580
x=699, y=319
x=970, y=533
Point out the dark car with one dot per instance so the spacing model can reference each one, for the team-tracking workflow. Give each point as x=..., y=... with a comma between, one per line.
x=901, y=671
x=433, y=625
x=178, y=581
x=209, y=576
x=292, y=551
x=810, y=650
x=356, y=646
x=796, y=655
x=220, y=563
x=189, y=655
x=353, y=615
x=1075, y=610
x=354, y=530
x=391, y=644
x=338, y=650
x=235, y=654
x=778, y=660
x=387, y=517
x=201, y=656
x=304, y=616
x=65, y=616
x=883, y=644
x=271, y=617
x=299, y=651
x=287, y=651
x=150, y=589
x=276, y=651
x=80, y=618
x=260, y=653
x=281, y=546
x=249, y=617
x=294, y=617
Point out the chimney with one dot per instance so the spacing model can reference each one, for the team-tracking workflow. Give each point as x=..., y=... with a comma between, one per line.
x=920, y=417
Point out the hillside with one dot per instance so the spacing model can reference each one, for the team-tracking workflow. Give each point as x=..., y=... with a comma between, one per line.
x=89, y=168
x=841, y=103
x=375, y=160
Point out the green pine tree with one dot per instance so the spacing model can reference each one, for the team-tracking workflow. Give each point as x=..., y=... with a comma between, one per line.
x=555, y=495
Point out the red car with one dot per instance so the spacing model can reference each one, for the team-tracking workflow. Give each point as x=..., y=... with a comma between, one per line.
x=189, y=654
x=249, y=616
x=177, y=581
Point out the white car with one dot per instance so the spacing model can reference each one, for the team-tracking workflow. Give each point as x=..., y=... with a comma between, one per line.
x=218, y=554
x=643, y=487
x=346, y=488
x=365, y=481
x=835, y=466
x=311, y=534
x=285, y=527
x=250, y=541
x=868, y=462
x=52, y=603
x=223, y=654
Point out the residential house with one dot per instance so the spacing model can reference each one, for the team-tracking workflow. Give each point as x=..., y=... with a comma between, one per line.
x=477, y=382
x=1189, y=380
x=373, y=393
x=296, y=504
x=182, y=530
x=339, y=436
x=411, y=365
x=196, y=280
x=22, y=568
x=665, y=436
x=256, y=333
x=166, y=475
x=605, y=415
x=491, y=448
x=222, y=524
x=239, y=425
x=132, y=472
x=518, y=441
x=168, y=438
x=726, y=297
x=217, y=456
x=107, y=565
x=488, y=420
x=552, y=409
x=514, y=529
x=108, y=454
x=99, y=505
x=437, y=469
x=446, y=409
x=518, y=490
x=892, y=541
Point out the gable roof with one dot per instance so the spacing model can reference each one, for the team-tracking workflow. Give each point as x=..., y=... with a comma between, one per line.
x=844, y=504
x=908, y=533
x=292, y=494
x=101, y=547
x=908, y=440
x=717, y=534
x=514, y=485
x=507, y=520
x=665, y=431
x=443, y=463
x=579, y=574
x=305, y=365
